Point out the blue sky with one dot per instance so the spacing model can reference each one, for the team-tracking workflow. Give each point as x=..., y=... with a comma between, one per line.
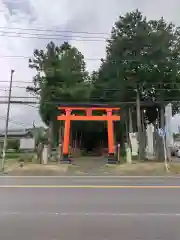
x=79, y=15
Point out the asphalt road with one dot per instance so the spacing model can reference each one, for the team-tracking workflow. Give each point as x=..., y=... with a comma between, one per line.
x=78, y=208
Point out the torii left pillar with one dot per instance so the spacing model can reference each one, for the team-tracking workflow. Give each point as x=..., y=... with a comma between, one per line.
x=67, y=137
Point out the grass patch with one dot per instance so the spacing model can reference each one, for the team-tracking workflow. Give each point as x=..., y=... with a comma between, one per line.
x=12, y=160
x=18, y=155
x=174, y=168
x=13, y=155
x=136, y=169
x=38, y=170
x=91, y=167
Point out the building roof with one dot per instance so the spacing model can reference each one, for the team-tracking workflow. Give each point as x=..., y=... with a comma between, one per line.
x=16, y=133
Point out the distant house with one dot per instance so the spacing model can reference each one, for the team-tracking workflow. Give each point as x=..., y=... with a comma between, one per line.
x=16, y=134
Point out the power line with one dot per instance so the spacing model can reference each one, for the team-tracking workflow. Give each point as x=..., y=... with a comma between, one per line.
x=50, y=38
x=130, y=82
x=28, y=57
x=14, y=81
x=52, y=35
x=92, y=103
x=22, y=87
x=56, y=31
x=106, y=91
x=26, y=97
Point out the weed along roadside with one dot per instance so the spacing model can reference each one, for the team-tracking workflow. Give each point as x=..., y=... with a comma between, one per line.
x=28, y=164
x=53, y=169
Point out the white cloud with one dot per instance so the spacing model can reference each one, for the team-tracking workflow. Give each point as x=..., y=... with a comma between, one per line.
x=76, y=15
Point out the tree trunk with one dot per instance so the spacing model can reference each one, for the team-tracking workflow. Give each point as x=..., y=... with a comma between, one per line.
x=162, y=120
x=50, y=136
x=143, y=134
x=130, y=121
x=126, y=122
x=61, y=135
x=139, y=126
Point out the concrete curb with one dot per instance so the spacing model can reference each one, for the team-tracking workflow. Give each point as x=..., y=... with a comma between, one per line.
x=86, y=176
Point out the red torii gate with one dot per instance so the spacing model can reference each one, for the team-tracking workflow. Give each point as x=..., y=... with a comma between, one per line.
x=68, y=117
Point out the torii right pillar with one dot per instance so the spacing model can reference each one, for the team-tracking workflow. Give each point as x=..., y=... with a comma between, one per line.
x=112, y=158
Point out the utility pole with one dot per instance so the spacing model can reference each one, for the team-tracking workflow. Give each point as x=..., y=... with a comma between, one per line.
x=7, y=122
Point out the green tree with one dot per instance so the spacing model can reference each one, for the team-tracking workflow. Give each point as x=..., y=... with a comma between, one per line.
x=139, y=55
x=61, y=76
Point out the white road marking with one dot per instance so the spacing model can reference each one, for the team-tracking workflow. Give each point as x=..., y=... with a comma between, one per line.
x=86, y=176
x=93, y=214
